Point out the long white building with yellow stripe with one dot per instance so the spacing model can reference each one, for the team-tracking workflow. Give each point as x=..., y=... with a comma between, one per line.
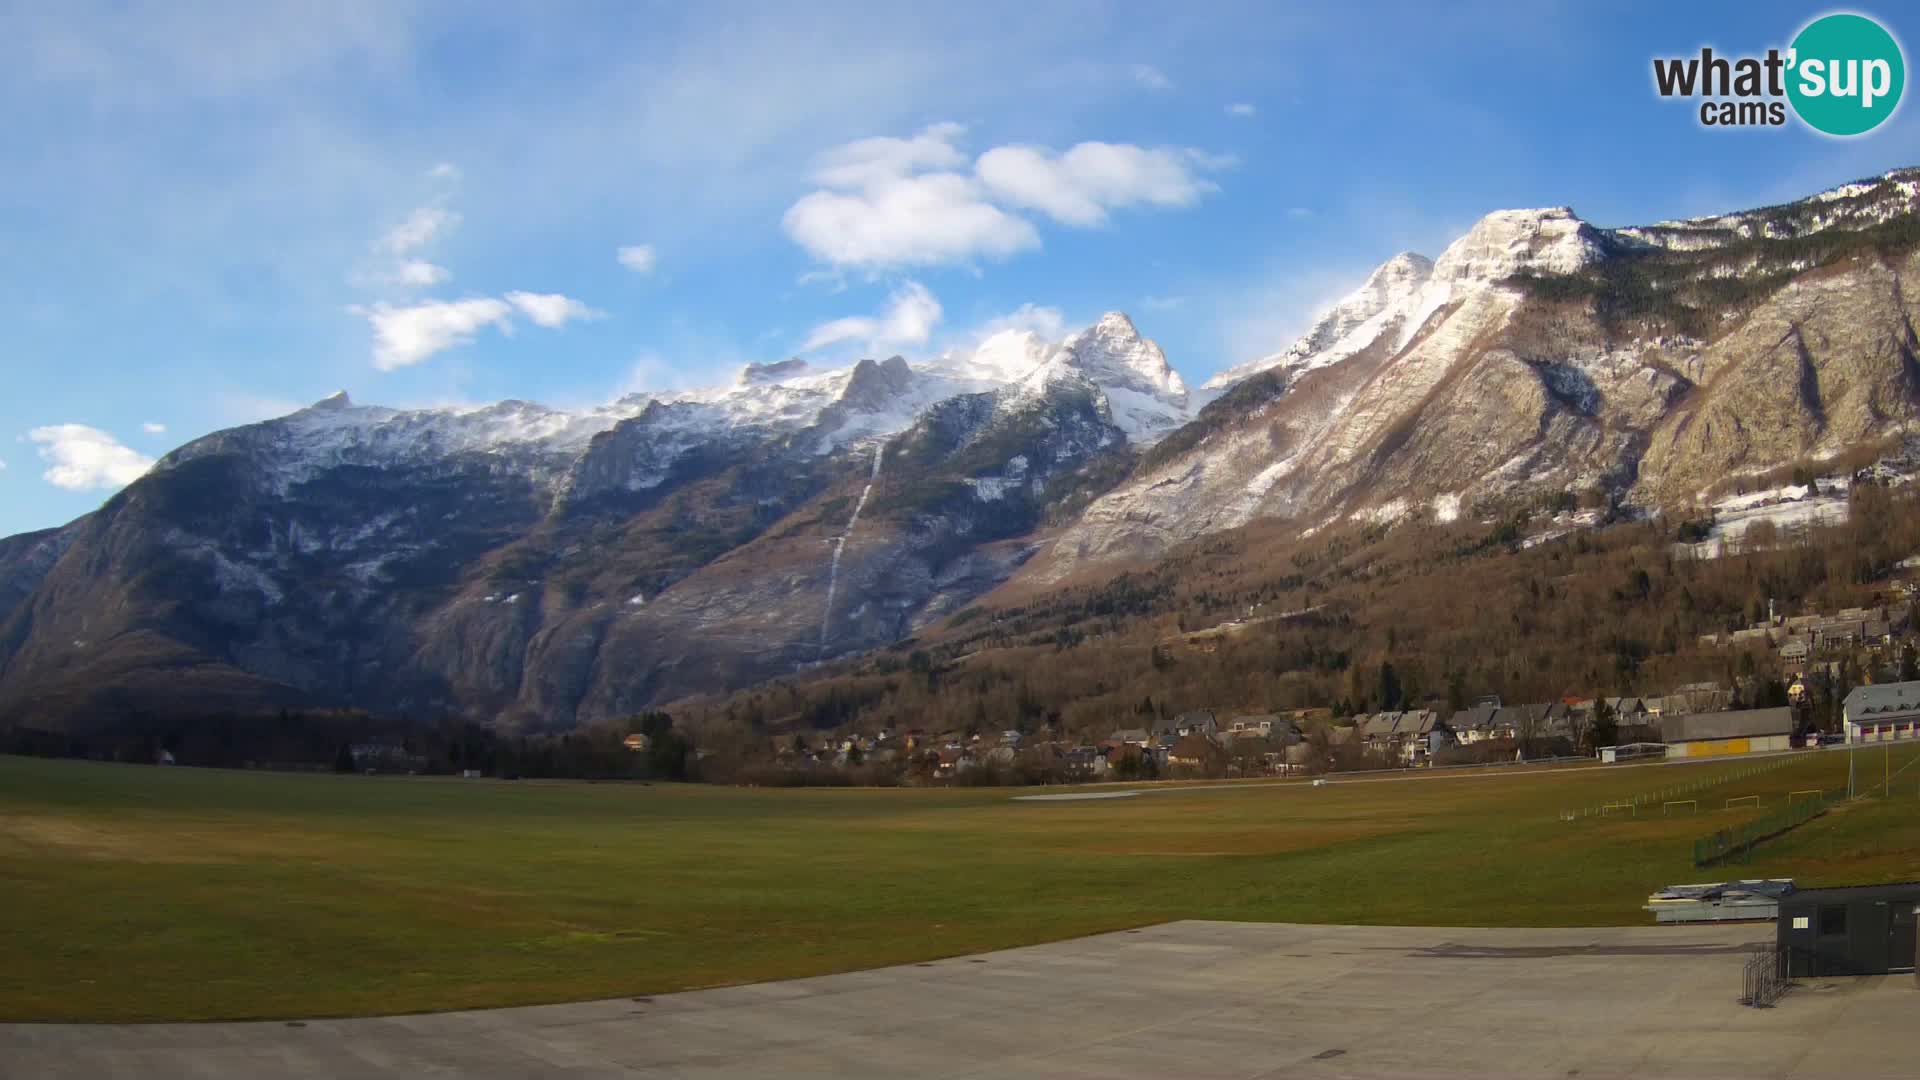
x=1715, y=734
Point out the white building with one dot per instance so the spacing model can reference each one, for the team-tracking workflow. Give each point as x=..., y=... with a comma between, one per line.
x=1882, y=713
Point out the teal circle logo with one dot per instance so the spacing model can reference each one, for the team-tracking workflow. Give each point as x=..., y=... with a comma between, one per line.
x=1846, y=74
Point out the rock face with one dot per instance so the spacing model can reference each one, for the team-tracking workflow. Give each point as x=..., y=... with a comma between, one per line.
x=547, y=567
x=1539, y=354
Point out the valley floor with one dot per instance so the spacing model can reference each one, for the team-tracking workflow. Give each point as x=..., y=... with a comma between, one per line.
x=147, y=894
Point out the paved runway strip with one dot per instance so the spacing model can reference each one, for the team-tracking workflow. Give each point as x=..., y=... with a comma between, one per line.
x=1190, y=999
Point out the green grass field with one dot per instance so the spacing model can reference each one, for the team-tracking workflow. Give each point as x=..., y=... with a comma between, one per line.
x=135, y=893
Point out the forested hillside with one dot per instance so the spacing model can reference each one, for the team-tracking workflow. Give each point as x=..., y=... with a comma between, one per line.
x=1355, y=620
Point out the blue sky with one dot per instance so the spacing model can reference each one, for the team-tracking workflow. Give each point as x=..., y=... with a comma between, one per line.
x=212, y=213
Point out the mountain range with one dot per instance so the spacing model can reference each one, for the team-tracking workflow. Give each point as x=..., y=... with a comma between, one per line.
x=544, y=567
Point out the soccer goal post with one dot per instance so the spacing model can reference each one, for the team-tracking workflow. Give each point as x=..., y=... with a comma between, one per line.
x=1739, y=799
x=1815, y=792
x=1692, y=805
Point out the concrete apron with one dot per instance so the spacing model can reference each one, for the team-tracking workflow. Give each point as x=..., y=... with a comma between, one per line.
x=1188, y=999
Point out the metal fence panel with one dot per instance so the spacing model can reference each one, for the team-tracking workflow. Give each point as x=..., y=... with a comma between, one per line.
x=1765, y=977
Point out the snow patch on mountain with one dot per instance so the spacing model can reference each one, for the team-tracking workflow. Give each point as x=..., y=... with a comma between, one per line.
x=1404, y=293
x=1508, y=242
x=1857, y=205
x=1113, y=354
x=845, y=407
x=1413, y=319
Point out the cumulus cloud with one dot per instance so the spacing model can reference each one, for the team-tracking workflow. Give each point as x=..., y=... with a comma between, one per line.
x=877, y=160
x=154, y=427
x=1151, y=77
x=551, y=310
x=638, y=258
x=912, y=221
x=407, y=332
x=892, y=202
x=83, y=458
x=909, y=318
x=1081, y=185
x=404, y=336
x=1241, y=108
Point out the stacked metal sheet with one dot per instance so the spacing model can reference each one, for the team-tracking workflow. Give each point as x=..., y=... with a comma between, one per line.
x=1720, y=901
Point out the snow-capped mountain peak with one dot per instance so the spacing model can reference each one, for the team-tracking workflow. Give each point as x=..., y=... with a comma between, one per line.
x=1508, y=242
x=1404, y=292
x=1145, y=397
x=1113, y=353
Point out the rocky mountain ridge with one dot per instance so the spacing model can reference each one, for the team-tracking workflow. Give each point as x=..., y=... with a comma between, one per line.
x=539, y=566
x=525, y=562
x=1542, y=357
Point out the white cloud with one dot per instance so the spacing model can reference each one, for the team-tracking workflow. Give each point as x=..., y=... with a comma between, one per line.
x=638, y=258
x=551, y=310
x=397, y=250
x=1241, y=108
x=419, y=272
x=910, y=316
x=1081, y=185
x=403, y=336
x=419, y=229
x=407, y=333
x=3, y=464
x=907, y=221
x=85, y=458
x=446, y=170
x=1151, y=77
x=154, y=427
x=891, y=202
x=1163, y=303
x=1047, y=322
x=864, y=162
